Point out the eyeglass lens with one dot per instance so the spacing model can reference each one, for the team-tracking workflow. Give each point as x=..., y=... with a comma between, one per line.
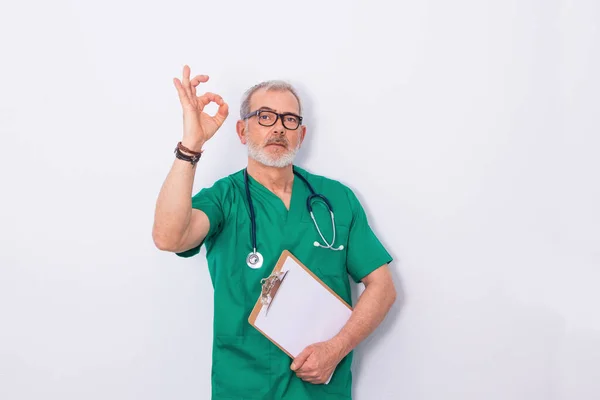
x=268, y=118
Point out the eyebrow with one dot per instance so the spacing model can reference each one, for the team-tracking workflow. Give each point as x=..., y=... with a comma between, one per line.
x=270, y=109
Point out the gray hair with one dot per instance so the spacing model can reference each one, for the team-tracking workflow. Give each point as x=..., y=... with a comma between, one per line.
x=268, y=85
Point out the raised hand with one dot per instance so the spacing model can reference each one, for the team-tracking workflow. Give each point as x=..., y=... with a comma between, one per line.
x=198, y=126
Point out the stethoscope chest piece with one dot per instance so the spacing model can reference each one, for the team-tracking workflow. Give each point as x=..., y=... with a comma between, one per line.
x=254, y=260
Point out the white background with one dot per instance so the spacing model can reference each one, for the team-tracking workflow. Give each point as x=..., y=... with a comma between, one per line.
x=469, y=130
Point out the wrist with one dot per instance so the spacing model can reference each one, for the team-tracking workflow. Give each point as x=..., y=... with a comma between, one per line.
x=342, y=345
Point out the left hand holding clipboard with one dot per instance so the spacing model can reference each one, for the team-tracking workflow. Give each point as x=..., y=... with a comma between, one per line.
x=316, y=363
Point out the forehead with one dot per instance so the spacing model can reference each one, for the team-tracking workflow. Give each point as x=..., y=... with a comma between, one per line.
x=279, y=100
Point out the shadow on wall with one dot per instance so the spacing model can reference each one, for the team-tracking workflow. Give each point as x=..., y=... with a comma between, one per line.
x=388, y=324
x=310, y=122
x=579, y=365
x=492, y=348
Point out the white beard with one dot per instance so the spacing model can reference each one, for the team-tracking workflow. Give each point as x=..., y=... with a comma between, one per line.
x=258, y=153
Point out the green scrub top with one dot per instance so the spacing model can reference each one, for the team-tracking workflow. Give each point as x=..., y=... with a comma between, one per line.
x=245, y=364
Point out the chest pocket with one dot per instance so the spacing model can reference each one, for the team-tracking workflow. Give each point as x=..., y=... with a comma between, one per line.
x=329, y=262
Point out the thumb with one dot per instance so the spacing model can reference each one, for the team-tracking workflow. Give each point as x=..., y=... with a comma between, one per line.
x=221, y=114
x=302, y=357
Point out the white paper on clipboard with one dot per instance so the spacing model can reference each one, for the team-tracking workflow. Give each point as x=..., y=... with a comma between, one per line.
x=304, y=310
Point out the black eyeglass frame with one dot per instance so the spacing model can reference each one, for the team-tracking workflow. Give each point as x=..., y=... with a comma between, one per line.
x=255, y=113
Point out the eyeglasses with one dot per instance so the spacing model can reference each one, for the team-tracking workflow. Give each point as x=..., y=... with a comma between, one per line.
x=269, y=118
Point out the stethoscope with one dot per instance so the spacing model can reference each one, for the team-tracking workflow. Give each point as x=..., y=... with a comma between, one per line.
x=255, y=259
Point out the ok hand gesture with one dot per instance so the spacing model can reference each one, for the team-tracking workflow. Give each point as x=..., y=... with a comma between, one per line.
x=198, y=126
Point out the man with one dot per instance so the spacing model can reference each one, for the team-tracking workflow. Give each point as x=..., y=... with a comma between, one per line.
x=246, y=365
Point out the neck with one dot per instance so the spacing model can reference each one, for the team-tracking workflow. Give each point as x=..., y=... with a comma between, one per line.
x=277, y=180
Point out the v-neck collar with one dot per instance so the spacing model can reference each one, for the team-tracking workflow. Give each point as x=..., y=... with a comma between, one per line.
x=295, y=197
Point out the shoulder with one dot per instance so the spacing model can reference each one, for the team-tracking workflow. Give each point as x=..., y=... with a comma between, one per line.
x=340, y=194
x=326, y=183
x=225, y=184
x=222, y=192
x=321, y=181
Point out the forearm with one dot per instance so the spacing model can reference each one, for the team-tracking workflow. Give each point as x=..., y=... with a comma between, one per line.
x=174, y=205
x=370, y=310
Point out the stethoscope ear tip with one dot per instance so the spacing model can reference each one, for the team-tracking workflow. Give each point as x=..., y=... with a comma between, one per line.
x=316, y=244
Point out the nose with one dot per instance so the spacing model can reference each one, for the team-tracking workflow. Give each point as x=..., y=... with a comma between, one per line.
x=278, y=127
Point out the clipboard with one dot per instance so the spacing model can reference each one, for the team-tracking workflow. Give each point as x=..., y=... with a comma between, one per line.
x=296, y=308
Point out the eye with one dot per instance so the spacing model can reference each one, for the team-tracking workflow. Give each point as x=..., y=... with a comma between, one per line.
x=266, y=116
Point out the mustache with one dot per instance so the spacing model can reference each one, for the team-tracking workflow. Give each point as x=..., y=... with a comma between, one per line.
x=281, y=141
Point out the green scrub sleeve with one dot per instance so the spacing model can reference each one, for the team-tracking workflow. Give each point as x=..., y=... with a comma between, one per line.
x=209, y=201
x=365, y=253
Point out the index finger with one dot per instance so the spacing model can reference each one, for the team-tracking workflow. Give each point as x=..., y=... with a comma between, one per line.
x=196, y=81
x=199, y=78
x=301, y=358
x=209, y=97
x=307, y=367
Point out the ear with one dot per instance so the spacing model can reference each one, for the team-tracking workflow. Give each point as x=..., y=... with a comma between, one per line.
x=240, y=127
x=302, y=133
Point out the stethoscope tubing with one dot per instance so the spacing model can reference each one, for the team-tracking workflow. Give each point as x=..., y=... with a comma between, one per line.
x=257, y=256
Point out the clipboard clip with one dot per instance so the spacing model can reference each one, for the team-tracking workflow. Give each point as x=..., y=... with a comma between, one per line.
x=270, y=286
